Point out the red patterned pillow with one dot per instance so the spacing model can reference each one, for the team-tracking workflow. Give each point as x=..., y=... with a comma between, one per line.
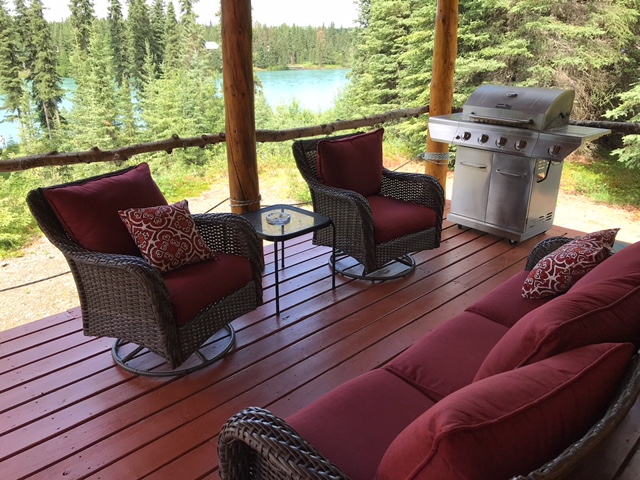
x=166, y=235
x=559, y=270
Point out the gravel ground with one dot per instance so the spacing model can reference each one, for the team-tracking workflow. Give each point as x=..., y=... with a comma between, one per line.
x=22, y=301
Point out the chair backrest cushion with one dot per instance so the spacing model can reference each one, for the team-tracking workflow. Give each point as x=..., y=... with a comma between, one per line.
x=89, y=210
x=352, y=163
x=512, y=423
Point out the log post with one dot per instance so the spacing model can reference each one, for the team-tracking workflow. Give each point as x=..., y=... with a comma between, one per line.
x=237, y=75
x=441, y=94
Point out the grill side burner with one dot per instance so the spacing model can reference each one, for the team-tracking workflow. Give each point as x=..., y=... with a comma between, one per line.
x=511, y=145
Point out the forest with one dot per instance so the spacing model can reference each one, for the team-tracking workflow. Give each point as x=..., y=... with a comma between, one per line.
x=147, y=75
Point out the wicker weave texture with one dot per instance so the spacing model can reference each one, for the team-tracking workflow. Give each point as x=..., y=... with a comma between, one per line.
x=123, y=297
x=351, y=214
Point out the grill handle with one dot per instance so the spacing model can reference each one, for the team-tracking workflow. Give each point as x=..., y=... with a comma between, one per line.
x=479, y=166
x=509, y=121
x=511, y=174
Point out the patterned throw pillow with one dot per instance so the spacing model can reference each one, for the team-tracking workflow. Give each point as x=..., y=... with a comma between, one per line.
x=166, y=235
x=559, y=270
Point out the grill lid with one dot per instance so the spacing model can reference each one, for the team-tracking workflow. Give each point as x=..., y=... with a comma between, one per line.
x=532, y=108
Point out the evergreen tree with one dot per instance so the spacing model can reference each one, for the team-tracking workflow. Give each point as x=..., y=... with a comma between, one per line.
x=139, y=28
x=172, y=40
x=10, y=67
x=119, y=42
x=157, y=34
x=46, y=80
x=82, y=17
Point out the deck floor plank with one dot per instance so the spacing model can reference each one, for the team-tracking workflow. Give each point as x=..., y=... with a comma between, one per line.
x=69, y=412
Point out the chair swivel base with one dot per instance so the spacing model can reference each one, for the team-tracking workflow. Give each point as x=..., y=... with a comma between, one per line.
x=125, y=361
x=350, y=267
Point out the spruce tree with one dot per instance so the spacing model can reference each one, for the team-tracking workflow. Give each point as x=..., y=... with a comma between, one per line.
x=47, y=91
x=139, y=27
x=82, y=16
x=172, y=40
x=157, y=34
x=10, y=67
x=119, y=42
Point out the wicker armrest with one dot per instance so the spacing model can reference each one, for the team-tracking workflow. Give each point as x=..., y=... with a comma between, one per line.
x=414, y=187
x=544, y=248
x=258, y=444
x=618, y=409
x=229, y=233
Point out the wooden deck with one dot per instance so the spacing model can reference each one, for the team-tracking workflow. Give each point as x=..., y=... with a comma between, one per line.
x=67, y=412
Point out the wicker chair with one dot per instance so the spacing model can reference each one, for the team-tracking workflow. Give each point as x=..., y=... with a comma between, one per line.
x=255, y=443
x=352, y=216
x=124, y=297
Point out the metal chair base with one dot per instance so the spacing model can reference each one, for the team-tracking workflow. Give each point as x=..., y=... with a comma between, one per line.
x=350, y=267
x=138, y=350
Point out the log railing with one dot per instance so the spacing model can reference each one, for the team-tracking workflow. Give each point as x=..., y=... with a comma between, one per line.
x=97, y=155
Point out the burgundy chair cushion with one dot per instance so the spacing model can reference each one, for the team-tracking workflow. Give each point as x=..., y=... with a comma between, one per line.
x=512, y=423
x=505, y=304
x=354, y=424
x=195, y=286
x=447, y=358
x=352, y=163
x=607, y=311
x=166, y=235
x=89, y=212
x=393, y=218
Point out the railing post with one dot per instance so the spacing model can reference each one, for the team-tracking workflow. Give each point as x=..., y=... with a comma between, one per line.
x=441, y=94
x=237, y=74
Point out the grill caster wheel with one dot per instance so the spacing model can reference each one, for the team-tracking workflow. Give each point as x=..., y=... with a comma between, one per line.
x=460, y=227
x=513, y=242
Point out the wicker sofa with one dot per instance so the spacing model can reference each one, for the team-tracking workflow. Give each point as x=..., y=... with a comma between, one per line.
x=512, y=387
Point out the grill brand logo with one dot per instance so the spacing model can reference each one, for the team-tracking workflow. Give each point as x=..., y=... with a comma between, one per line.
x=505, y=106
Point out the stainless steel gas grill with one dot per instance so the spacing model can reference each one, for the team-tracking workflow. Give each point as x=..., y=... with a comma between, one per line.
x=511, y=145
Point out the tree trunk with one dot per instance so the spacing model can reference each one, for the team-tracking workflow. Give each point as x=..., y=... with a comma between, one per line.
x=237, y=73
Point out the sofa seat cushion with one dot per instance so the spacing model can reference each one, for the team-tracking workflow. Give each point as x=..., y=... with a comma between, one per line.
x=354, y=424
x=89, y=211
x=511, y=423
x=505, y=304
x=607, y=311
x=393, y=218
x=195, y=286
x=447, y=358
x=352, y=163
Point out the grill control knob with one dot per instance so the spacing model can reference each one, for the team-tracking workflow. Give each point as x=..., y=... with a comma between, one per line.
x=555, y=150
x=466, y=135
x=520, y=144
x=501, y=142
x=484, y=138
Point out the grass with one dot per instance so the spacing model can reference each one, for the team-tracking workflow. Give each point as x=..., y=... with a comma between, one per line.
x=602, y=180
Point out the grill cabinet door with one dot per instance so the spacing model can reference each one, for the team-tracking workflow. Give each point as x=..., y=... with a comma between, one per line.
x=509, y=192
x=471, y=183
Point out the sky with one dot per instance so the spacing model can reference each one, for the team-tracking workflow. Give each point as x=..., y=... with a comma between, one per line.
x=342, y=13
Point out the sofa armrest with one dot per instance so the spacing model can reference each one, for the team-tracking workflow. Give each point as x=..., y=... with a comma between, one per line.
x=618, y=409
x=544, y=248
x=258, y=444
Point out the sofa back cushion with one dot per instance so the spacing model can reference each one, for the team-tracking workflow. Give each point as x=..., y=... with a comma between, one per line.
x=88, y=211
x=606, y=311
x=624, y=262
x=511, y=423
x=352, y=163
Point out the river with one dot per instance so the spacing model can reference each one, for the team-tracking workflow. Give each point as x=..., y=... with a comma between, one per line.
x=315, y=90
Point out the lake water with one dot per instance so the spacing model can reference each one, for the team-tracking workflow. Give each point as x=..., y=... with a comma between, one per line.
x=315, y=90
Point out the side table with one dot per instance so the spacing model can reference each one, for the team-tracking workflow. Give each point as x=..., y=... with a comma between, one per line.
x=296, y=222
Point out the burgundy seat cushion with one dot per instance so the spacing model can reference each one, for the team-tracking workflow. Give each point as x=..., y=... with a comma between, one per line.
x=352, y=163
x=393, y=218
x=607, y=311
x=354, y=424
x=89, y=212
x=512, y=423
x=447, y=358
x=196, y=286
x=505, y=304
